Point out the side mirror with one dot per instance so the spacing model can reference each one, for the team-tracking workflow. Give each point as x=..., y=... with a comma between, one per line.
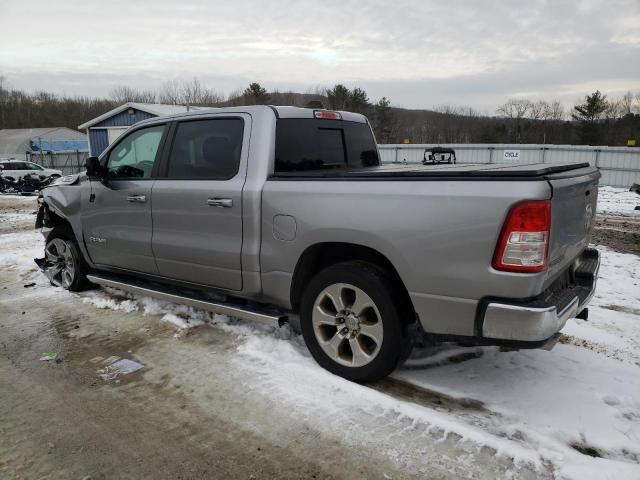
x=93, y=167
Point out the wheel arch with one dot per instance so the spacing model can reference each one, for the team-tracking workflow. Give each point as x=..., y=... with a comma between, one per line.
x=321, y=255
x=61, y=211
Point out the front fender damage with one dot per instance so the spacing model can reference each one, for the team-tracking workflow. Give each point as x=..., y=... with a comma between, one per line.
x=58, y=204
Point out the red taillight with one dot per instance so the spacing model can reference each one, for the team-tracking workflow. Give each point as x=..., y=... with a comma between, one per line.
x=524, y=241
x=327, y=115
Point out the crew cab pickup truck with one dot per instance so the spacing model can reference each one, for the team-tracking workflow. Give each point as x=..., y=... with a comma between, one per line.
x=283, y=214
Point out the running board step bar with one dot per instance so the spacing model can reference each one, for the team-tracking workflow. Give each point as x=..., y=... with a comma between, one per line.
x=250, y=313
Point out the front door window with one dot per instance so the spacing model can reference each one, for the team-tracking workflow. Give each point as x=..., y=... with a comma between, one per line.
x=135, y=155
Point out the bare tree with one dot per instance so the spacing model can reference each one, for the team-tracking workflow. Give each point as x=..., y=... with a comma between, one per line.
x=124, y=94
x=188, y=92
x=537, y=110
x=614, y=110
x=515, y=109
x=626, y=103
x=554, y=111
x=170, y=93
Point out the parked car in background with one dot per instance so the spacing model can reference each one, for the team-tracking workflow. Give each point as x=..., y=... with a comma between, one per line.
x=17, y=169
x=285, y=214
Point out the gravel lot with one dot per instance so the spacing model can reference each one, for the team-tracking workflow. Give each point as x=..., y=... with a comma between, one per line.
x=221, y=399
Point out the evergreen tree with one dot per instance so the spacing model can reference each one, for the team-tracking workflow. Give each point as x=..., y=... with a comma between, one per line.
x=338, y=97
x=359, y=101
x=254, y=94
x=382, y=120
x=589, y=116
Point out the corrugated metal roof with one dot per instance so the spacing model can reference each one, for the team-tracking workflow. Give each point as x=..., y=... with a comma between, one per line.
x=18, y=140
x=152, y=108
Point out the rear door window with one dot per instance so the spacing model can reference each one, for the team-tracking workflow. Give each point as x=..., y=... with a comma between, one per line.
x=206, y=149
x=304, y=145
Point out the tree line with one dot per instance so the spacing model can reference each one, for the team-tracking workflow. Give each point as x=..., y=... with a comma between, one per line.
x=596, y=120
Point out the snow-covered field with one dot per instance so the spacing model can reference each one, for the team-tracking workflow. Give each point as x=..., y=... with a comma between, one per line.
x=573, y=412
x=618, y=201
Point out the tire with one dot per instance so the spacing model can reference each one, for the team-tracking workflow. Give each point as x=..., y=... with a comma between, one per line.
x=64, y=264
x=353, y=322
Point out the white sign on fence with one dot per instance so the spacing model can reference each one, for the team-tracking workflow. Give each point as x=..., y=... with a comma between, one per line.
x=511, y=155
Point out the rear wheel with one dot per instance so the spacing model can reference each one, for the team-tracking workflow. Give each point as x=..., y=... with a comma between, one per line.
x=63, y=263
x=353, y=323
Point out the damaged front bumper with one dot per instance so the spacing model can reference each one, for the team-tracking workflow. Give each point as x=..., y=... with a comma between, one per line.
x=43, y=218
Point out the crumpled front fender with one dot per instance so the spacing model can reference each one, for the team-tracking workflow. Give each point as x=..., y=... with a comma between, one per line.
x=64, y=201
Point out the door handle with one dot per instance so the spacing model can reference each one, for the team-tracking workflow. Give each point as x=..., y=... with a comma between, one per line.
x=136, y=198
x=220, y=202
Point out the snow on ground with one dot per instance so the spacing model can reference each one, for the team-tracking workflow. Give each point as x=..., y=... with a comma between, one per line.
x=20, y=198
x=540, y=408
x=618, y=201
x=17, y=251
x=11, y=218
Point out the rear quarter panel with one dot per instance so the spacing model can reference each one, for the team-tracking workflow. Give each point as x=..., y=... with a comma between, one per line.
x=439, y=235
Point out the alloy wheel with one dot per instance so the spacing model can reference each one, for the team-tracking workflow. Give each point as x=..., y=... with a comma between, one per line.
x=59, y=267
x=347, y=325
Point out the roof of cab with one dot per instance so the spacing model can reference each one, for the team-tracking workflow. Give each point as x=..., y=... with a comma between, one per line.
x=279, y=111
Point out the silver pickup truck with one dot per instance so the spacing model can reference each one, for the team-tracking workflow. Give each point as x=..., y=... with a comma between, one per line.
x=283, y=214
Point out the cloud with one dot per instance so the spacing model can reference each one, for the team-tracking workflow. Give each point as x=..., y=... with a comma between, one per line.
x=417, y=53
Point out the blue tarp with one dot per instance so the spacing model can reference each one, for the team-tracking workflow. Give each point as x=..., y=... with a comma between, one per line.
x=44, y=145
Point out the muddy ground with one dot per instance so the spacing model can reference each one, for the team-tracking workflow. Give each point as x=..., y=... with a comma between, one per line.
x=620, y=233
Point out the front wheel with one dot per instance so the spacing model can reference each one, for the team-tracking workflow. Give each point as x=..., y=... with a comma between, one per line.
x=353, y=322
x=63, y=263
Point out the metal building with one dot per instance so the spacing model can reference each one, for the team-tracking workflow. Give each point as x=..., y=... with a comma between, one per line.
x=20, y=143
x=103, y=130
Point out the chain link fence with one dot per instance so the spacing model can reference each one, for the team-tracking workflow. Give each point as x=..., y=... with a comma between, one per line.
x=68, y=161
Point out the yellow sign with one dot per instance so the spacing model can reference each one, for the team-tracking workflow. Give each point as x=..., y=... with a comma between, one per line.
x=631, y=143
x=406, y=141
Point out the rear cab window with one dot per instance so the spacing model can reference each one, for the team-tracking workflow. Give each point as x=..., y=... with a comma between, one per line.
x=305, y=145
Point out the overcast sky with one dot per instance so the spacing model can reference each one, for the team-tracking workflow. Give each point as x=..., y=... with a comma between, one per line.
x=417, y=53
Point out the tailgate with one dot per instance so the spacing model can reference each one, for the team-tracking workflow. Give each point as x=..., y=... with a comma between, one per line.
x=573, y=208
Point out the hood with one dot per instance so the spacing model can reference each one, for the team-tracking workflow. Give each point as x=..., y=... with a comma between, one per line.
x=68, y=179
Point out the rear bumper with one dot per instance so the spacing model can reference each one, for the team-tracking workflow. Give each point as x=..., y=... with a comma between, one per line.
x=541, y=318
